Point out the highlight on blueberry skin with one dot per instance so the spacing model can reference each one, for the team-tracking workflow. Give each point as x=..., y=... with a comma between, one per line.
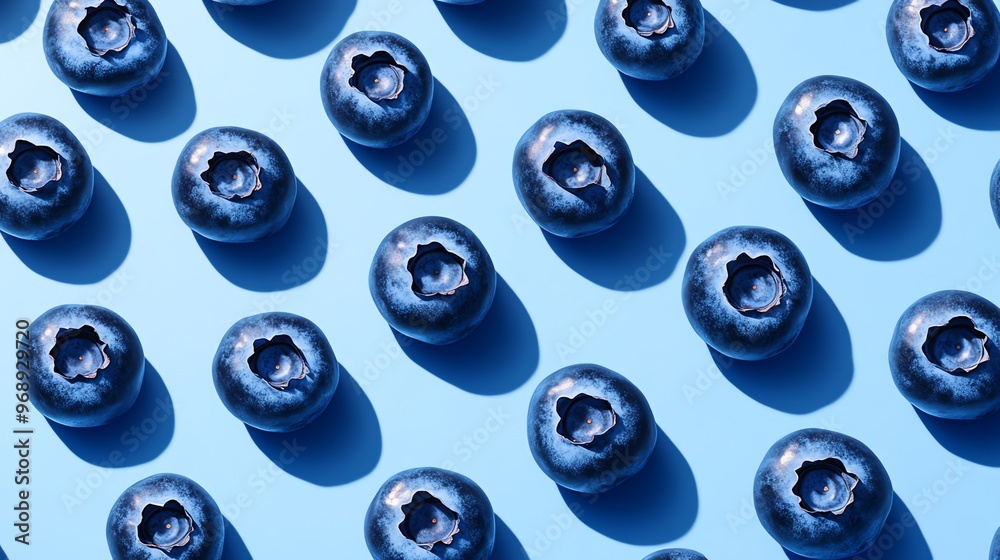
x=377, y=88
x=233, y=185
x=47, y=181
x=87, y=365
x=747, y=292
x=943, y=355
x=822, y=494
x=944, y=45
x=676, y=554
x=165, y=516
x=650, y=39
x=995, y=193
x=275, y=371
x=837, y=142
x=430, y=514
x=104, y=47
x=573, y=173
x=432, y=280
x=590, y=428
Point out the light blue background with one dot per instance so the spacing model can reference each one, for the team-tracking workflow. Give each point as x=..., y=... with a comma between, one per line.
x=415, y=408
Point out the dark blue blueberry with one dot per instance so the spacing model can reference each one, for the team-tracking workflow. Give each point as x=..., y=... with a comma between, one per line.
x=432, y=280
x=377, y=88
x=104, y=47
x=234, y=185
x=837, y=142
x=86, y=365
x=47, y=180
x=650, y=39
x=165, y=516
x=822, y=494
x=676, y=554
x=275, y=371
x=460, y=2
x=589, y=428
x=995, y=193
x=573, y=173
x=943, y=355
x=430, y=514
x=944, y=45
x=747, y=291
x=242, y=2
x=995, y=549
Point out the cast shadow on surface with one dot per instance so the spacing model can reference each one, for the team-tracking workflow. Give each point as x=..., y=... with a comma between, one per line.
x=285, y=29
x=233, y=547
x=499, y=356
x=901, y=223
x=162, y=109
x=137, y=437
x=974, y=108
x=292, y=256
x=341, y=445
x=657, y=505
x=74, y=257
x=506, y=545
x=712, y=97
x=640, y=251
x=900, y=539
x=515, y=30
x=16, y=16
x=436, y=160
x=811, y=373
x=973, y=440
x=816, y=5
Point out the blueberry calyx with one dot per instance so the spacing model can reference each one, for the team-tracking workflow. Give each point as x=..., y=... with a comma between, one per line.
x=825, y=486
x=427, y=521
x=107, y=27
x=576, y=166
x=948, y=26
x=288, y=361
x=436, y=271
x=32, y=166
x=956, y=347
x=648, y=17
x=232, y=174
x=838, y=129
x=165, y=527
x=754, y=284
x=79, y=353
x=584, y=418
x=378, y=76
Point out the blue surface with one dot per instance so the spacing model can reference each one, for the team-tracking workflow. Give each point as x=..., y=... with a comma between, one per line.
x=702, y=145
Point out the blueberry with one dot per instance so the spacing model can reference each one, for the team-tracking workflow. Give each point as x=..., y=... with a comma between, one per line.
x=650, y=39
x=676, y=554
x=430, y=514
x=165, y=516
x=104, y=47
x=995, y=193
x=47, y=180
x=432, y=280
x=747, y=291
x=822, y=494
x=837, y=142
x=573, y=173
x=944, y=45
x=460, y=2
x=275, y=371
x=242, y=2
x=995, y=549
x=86, y=365
x=377, y=88
x=233, y=185
x=589, y=428
x=943, y=355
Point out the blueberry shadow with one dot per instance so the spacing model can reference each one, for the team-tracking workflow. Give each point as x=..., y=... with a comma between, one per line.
x=712, y=97
x=640, y=251
x=340, y=446
x=137, y=437
x=436, y=160
x=499, y=356
x=233, y=547
x=292, y=256
x=900, y=224
x=973, y=440
x=900, y=539
x=516, y=30
x=284, y=29
x=158, y=111
x=812, y=373
x=16, y=16
x=816, y=5
x=506, y=546
x=657, y=505
x=90, y=250
x=974, y=108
